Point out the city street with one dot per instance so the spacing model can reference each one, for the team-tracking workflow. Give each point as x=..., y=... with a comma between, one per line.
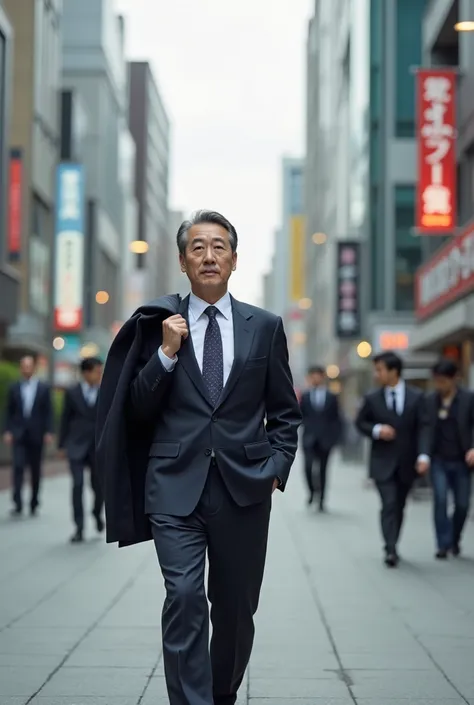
x=79, y=625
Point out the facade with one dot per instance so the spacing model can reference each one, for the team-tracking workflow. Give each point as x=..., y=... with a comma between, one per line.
x=9, y=281
x=149, y=125
x=445, y=287
x=360, y=179
x=34, y=152
x=95, y=70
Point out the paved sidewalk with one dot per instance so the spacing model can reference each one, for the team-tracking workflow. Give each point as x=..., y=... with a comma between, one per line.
x=79, y=625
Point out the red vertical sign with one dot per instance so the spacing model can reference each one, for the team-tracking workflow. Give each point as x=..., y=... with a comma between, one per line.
x=436, y=136
x=14, y=209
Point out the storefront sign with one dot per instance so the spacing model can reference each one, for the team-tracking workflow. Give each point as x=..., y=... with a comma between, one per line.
x=447, y=276
x=69, y=270
x=436, y=135
x=392, y=340
x=297, y=254
x=14, y=209
x=348, y=290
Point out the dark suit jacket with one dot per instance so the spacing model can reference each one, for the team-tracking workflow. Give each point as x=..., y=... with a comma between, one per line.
x=163, y=423
x=322, y=426
x=465, y=420
x=399, y=455
x=77, y=430
x=38, y=424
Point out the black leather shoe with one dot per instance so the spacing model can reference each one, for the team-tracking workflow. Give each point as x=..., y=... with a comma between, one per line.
x=391, y=560
x=456, y=550
x=441, y=555
x=77, y=537
x=99, y=522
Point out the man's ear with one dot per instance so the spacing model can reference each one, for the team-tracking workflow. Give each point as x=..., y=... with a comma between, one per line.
x=182, y=263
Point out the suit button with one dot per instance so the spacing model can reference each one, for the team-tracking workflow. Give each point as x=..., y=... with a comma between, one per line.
x=214, y=419
x=208, y=451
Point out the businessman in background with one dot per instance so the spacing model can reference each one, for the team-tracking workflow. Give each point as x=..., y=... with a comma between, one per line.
x=77, y=441
x=322, y=430
x=28, y=425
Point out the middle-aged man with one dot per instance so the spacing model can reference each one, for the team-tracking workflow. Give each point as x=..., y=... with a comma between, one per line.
x=212, y=417
x=393, y=418
x=77, y=440
x=322, y=429
x=28, y=424
x=450, y=411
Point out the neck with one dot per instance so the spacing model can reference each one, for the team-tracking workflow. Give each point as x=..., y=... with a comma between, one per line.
x=394, y=383
x=448, y=394
x=210, y=297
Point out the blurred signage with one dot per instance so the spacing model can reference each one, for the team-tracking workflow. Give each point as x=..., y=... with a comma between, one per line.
x=348, y=290
x=297, y=254
x=69, y=261
x=66, y=361
x=39, y=276
x=14, y=209
x=447, y=276
x=391, y=339
x=436, y=134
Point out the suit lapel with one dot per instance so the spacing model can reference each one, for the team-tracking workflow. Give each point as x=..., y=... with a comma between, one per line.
x=187, y=356
x=244, y=331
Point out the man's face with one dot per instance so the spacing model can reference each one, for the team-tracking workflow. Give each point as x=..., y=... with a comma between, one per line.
x=383, y=376
x=316, y=379
x=444, y=385
x=208, y=260
x=27, y=367
x=94, y=376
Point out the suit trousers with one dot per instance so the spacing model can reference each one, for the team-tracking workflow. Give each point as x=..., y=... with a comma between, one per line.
x=393, y=494
x=235, y=539
x=319, y=455
x=77, y=472
x=26, y=453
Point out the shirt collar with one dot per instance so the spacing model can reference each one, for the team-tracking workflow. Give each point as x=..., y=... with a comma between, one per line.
x=197, y=306
x=399, y=387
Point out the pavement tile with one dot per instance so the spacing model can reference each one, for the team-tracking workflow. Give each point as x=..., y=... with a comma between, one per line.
x=401, y=684
x=288, y=688
x=17, y=681
x=93, y=682
x=81, y=700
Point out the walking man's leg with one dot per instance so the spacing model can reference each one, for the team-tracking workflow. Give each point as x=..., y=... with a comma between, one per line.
x=461, y=484
x=442, y=522
x=388, y=491
x=323, y=469
x=18, y=471
x=308, y=471
x=77, y=472
x=97, y=491
x=34, y=458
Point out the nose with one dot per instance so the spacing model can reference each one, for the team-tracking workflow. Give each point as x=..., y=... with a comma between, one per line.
x=209, y=256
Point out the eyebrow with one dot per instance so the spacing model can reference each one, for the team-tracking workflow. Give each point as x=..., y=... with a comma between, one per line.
x=200, y=240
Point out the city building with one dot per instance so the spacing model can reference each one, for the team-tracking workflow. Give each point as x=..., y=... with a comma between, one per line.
x=360, y=186
x=95, y=70
x=150, y=128
x=9, y=218
x=34, y=152
x=178, y=282
x=445, y=285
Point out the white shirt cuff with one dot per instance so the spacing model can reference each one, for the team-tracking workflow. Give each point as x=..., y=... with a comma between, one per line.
x=376, y=431
x=167, y=362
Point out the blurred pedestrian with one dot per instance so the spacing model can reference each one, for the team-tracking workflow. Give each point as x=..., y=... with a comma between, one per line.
x=322, y=430
x=77, y=441
x=28, y=425
x=450, y=410
x=393, y=418
x=187, y=387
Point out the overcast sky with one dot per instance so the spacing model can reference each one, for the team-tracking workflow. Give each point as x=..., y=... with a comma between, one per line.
x=232, y=74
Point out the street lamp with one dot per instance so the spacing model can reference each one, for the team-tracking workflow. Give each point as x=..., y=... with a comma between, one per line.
x=466, y=26
x=319, y=238
x=332, y=371
x=102, y=297
x=59, y=343
x=305, y=304
x=139, y=247
x=364, y=349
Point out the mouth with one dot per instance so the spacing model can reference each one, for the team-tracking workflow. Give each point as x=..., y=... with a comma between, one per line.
x=209, y=272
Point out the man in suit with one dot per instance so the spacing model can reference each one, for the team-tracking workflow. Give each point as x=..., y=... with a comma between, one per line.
x=28, y=424
x=77, y=440
x=450, y=411
x=393, y=418
x=206, y=385
x=322, y=429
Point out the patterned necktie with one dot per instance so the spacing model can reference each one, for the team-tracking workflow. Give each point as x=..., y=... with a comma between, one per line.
x=213, y=357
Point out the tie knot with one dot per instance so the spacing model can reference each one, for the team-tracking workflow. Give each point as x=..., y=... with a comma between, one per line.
x=211, y=311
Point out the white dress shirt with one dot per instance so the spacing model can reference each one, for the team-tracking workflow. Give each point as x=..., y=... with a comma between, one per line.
x=318, y=397
x=90, y=393
x=400, y=390
x=197, y=329
x=29, y=389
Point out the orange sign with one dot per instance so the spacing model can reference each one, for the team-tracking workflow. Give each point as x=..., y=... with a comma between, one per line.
x=394, y=340
x=14, y=215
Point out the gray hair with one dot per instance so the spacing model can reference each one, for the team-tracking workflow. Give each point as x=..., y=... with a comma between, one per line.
x=204, y=216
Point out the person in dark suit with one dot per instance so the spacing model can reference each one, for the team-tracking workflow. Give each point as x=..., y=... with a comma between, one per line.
x=322, y=429
x=215, y=388
x=28, y=425
x=77, y=441
x=450, y=411
x=393, y=418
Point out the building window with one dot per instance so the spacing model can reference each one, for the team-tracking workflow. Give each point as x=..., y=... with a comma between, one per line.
x=409, y=16
x=408, y=254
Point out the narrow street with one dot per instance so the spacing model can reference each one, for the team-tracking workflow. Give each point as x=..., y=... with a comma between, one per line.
x=79, y=625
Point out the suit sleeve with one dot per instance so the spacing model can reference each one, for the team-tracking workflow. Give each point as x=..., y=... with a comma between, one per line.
x=365, y=421
x=282, y=408
x=9, y=411
x=149, y=387
x=65, y=420
x=49, y=416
